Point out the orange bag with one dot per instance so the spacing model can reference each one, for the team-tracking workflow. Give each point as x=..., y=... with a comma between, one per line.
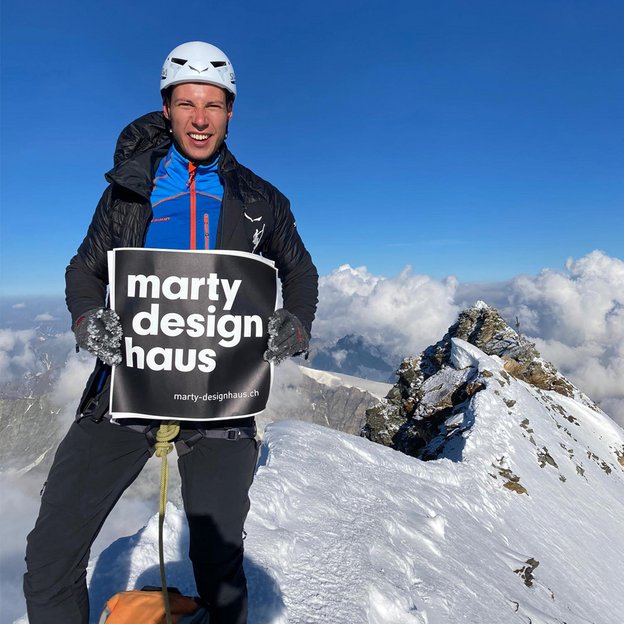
x=146, y=606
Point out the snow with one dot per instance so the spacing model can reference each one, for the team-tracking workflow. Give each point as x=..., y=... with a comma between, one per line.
x=527, y=527
x=464, y=355
x=377, y=389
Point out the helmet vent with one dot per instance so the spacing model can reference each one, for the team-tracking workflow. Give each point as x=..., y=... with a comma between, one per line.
x=179, y=61
x=218, y=63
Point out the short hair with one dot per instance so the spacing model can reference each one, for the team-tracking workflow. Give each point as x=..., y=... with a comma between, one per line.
x=166, y=96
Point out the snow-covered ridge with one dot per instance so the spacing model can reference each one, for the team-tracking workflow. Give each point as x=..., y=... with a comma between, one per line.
x=376, y=388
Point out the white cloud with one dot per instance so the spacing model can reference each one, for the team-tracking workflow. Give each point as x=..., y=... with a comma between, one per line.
x=70, y=384
x=287, y=379
x=17, y=356
x=584, y=304
x=339, y=357
x=575, y=315
x=18, y=306
x=576, y=318
x=45, y=316
x=403, y=314
x=20, y=503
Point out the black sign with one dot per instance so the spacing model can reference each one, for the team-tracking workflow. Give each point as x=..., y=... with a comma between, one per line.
x=194, y=332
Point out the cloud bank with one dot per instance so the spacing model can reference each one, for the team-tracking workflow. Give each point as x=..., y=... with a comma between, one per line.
x=576, y=319
x=402, y=314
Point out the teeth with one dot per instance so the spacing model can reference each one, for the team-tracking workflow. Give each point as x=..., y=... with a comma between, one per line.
x=199, y=137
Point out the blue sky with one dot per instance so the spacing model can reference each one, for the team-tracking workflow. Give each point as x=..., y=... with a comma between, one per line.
x=476, y=139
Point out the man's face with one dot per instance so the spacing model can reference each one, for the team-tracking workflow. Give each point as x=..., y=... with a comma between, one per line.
x=199, y=116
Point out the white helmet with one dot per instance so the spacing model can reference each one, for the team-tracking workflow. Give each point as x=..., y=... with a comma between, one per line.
x=197, y=61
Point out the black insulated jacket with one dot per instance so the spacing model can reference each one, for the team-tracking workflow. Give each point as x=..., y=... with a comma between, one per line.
x=124, y=213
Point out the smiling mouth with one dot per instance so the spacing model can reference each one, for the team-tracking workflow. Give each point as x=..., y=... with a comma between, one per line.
x=199, y=137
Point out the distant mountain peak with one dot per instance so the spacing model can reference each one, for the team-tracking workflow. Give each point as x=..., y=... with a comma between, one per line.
x=353, y=355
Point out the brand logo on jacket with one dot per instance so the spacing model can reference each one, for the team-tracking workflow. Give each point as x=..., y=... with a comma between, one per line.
x=257, y=236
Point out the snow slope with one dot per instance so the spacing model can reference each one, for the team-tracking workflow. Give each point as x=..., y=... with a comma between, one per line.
x=527, y=527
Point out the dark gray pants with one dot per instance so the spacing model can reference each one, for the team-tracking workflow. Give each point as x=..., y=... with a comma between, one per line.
x=93, y=466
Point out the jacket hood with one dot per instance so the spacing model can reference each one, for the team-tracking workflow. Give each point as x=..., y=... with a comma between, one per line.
x=146, y=132
x=140, y=147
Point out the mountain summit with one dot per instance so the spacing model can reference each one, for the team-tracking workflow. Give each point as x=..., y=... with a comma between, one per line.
x=428, y=413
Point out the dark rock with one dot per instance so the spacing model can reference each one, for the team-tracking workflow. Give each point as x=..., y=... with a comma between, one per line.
x=526, y=572
x=335, y=406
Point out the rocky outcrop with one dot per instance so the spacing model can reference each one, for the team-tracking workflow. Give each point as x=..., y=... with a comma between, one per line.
x=485, y=328
x=424, y=412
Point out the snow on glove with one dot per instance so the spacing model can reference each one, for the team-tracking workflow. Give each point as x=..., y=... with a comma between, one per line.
x=287, y=336
x=99, y=332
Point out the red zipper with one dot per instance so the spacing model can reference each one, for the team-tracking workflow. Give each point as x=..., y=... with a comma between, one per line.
x=206, y=232
x=192, y=172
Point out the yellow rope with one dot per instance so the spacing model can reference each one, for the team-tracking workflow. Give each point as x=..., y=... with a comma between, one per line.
x=167, y=431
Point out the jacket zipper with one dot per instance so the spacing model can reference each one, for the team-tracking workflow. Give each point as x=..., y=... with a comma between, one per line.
x=206, y=232
x=191, y=182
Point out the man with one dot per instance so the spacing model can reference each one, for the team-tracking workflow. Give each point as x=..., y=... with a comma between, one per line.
x=174, y=185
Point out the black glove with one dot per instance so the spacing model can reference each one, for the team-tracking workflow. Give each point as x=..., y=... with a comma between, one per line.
x=99, y=332
x=287, y=336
